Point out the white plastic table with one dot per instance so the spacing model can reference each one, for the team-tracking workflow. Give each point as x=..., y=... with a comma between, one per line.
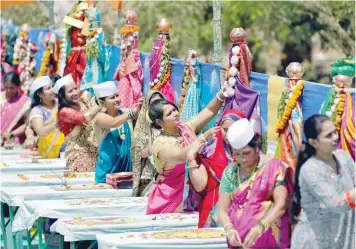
x=86, y=228
x=28, y=166
x=14, y=151
x=30, y=211
x=45, y=179
x=207, y=238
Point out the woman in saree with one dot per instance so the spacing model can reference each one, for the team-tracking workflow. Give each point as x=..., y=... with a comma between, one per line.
x=324, y=190
x=213, y=159
x=43, y=118
x=113, y=132
x=142, y=165
x=254, y=192
x=170, y=151
x=14, y=107
x=73, y=118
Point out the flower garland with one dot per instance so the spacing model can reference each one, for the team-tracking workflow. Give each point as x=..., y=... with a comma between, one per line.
x=126, y=31
x=165, y=69
x=126, y=42
x=185, y=85
x=92, y=44
x=335, y=106
x=63, y=55
x=291, y=100
x=45, y=62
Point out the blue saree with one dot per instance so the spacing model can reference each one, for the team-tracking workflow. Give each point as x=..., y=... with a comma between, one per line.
x=114, y=153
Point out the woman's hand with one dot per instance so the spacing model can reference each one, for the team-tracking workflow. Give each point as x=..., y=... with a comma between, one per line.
x=29, y=142
x=233, y=237
x=251, y=238
x=145, y=152
x=211, y=133
x=194, y=149
x=138, y=105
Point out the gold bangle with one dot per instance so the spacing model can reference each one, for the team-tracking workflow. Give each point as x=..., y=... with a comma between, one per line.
x=264, y=224
x=228, y=226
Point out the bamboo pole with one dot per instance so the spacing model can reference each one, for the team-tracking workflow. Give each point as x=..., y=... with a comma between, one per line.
x=217, y=58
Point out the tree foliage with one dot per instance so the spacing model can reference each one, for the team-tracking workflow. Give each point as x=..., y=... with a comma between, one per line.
x=278, y=32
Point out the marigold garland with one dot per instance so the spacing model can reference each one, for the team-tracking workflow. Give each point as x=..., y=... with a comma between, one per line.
x=292, y=102
x=165, y=68
x=92, y=34
x=339, y=111
x=185, y=85
x=45, y=62
x=126, y=31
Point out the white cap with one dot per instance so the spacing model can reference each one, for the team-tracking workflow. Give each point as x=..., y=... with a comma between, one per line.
x=38, y=83
x=105, y=89
x=65, y=80
x=240, y=133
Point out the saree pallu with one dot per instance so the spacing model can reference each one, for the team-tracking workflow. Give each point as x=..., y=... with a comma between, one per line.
x=12, y=112
x=347, y=133
x=290, y=140
x=114, y=154
x=215, y=166
x=253, y=200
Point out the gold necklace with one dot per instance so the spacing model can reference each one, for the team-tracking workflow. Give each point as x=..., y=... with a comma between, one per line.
x=250, y=178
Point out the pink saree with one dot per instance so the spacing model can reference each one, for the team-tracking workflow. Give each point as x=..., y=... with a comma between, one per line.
x=253, y=199
x=166, y=194
x=130, y=76
x=12, y=112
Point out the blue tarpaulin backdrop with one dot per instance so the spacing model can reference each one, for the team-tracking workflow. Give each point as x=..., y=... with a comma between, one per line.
x=314, y=93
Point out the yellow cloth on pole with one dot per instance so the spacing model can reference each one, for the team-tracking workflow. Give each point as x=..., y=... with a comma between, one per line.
x=5, y=3
x=275, y=89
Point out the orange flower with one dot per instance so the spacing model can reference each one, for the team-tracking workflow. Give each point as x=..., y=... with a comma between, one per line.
x=292, y=102
x=126, y=31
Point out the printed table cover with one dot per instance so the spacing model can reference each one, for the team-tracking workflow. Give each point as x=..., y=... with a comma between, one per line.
x=15, y=196
x=28, y=166
x=30, y=211
x=211, y=238
x=81, y=228
x=46, y=179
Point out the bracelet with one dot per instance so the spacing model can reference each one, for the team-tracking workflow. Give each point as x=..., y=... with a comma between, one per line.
x=220, y=96
x=264, y=224
x=131, y=113
x=259, y=229
x=228, y=226
x=349, y=200
x=201, y=136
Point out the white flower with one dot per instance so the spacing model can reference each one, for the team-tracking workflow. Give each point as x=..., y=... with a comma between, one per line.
x=333, y=108
x=92, y=40
x=129, y=44
x=156, y=81
x=152, y=84
x=135, y=33
x=233, y=71
x=232, y=81
x=123, y=46
x=235, y=50
x=159, y=75
x=336, y=100
x=131, y=38
x=290, y=95
x=234, y=60
x=286, y=101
